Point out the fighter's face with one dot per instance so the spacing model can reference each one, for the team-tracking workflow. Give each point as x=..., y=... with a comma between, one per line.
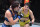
x=17, y=8
x=26, y=7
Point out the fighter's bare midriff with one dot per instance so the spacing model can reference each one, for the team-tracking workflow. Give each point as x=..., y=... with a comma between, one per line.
x=7, y=23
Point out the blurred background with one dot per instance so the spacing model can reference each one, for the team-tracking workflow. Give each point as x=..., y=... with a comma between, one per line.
x=34, y=6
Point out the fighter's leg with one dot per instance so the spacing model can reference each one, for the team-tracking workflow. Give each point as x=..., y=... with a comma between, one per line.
x=27, y=25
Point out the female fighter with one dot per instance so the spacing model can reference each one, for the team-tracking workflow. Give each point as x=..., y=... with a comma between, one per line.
x=11, y=16
x=25, y=12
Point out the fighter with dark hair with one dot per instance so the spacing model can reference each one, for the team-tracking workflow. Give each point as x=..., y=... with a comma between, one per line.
x=11, y=16
x=25, y=12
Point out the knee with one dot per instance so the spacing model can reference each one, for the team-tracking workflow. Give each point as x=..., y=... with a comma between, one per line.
x=27, y=25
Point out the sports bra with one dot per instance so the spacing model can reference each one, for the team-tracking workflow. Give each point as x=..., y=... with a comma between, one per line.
x=14, y=17
x=27, y=15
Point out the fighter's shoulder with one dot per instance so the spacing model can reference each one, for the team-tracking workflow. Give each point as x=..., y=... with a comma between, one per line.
x=30, y=11
x=22, y=7
x=7, y=12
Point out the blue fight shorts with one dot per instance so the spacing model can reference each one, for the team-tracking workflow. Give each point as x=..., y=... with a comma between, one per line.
x=4, y=25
